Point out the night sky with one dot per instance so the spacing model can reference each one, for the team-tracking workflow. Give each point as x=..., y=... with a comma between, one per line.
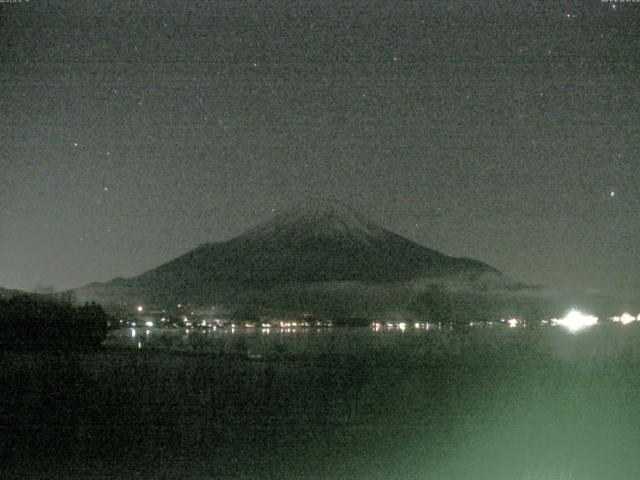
x=506, y=131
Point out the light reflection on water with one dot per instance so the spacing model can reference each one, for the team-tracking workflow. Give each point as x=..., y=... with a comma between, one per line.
x=231, y=339
x=599, y=343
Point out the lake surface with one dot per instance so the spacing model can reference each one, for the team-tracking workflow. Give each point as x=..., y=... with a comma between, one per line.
x=329, y=403
x=266, y=341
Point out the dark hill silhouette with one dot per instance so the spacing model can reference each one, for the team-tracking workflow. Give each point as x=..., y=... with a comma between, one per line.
x=8, y=293
x=41, y=322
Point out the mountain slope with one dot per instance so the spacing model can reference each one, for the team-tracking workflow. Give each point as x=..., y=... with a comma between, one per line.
x=321, y=242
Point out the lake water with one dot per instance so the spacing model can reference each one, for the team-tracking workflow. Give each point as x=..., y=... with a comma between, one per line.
x=594, y=344
x=266, y=341
x=331, y=403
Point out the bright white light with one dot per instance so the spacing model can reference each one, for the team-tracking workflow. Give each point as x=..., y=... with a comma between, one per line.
x=133, y=333
x=149, y=323
x=139, y=308
x=624, y=319
x=574, y=321
x=627, y=318
x=402, y=326
x=513, y=322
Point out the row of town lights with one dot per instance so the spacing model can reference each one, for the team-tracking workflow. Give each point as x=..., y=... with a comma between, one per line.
x=574, y=321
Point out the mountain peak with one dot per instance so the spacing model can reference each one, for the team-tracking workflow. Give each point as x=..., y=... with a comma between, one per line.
x=318, y=218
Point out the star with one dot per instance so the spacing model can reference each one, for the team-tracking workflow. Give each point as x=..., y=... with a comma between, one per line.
x=612, y=194
x=75, y=144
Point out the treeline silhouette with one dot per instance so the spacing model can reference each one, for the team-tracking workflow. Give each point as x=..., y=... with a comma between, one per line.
x=35, y=322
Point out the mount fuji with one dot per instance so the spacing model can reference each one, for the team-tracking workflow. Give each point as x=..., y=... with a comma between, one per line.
x=321, y=244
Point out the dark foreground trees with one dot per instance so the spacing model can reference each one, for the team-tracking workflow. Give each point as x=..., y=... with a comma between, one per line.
x=43, y=323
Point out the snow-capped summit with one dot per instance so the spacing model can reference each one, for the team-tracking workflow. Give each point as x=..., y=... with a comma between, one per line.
x=318, y=219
